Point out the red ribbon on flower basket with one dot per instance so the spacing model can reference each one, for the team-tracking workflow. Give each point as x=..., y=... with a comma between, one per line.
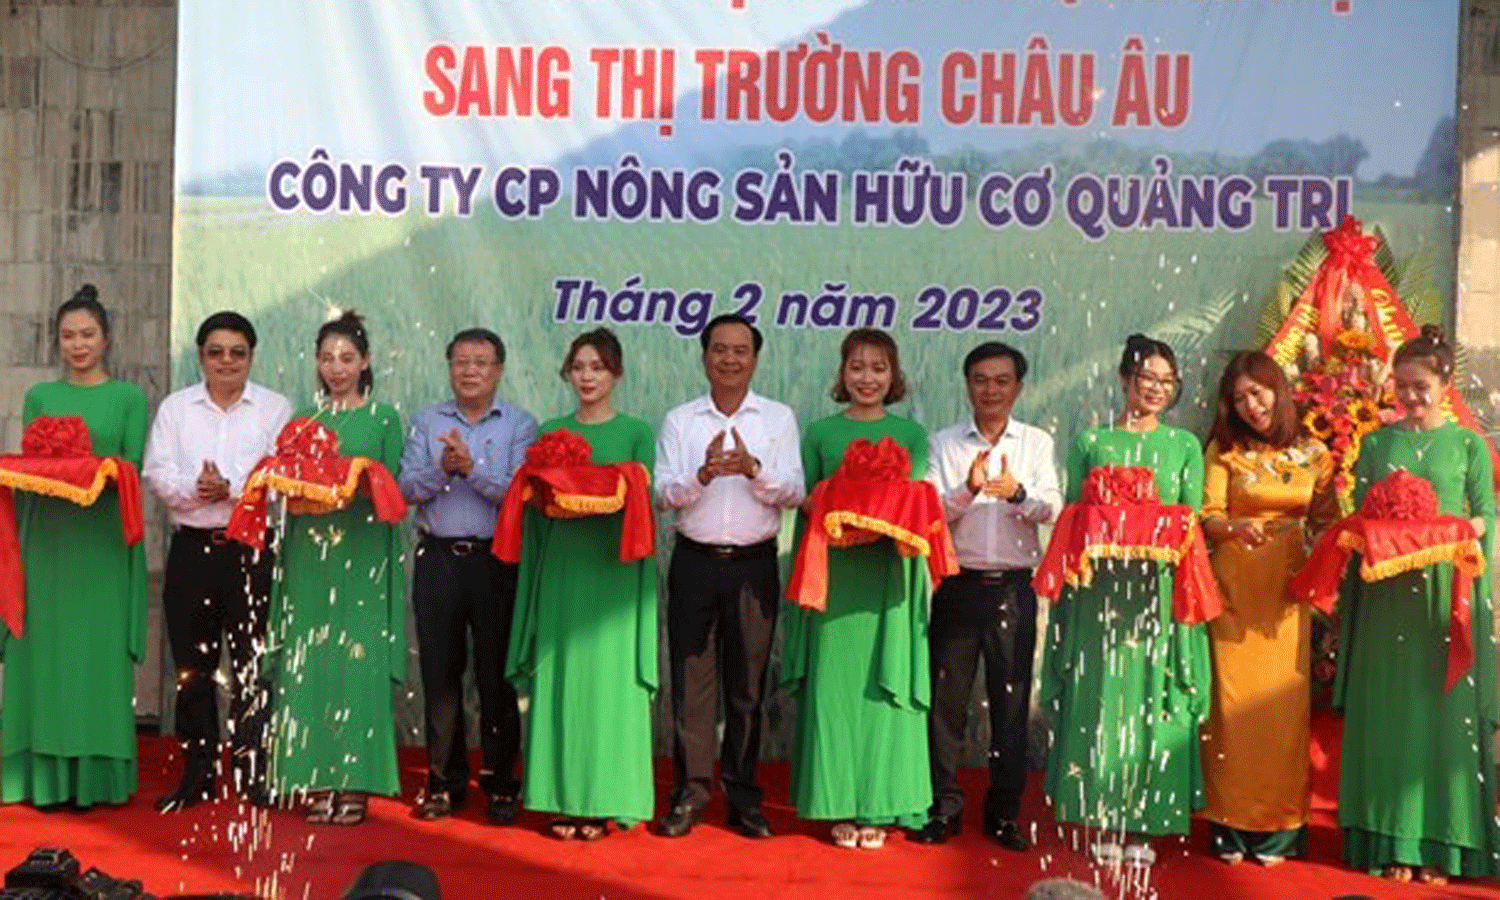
x=1398, y=529
x=307, y=467
x=1119, y=516
x=559, y=479
x=870, y=497
x=1350, y=273
x=57, y=459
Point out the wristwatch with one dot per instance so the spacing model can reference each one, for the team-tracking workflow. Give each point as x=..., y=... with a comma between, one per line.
x=1019, y=496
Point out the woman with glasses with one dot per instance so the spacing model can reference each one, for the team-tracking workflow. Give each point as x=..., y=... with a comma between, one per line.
x=1127, y=683
x=338, y=612
x=1268, y=489
x=68, y=720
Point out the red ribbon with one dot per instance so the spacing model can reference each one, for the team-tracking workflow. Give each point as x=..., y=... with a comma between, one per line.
x=1351, y=261
x=868, y=498
x=307, y=465
x=57, y=460
x=1397, y=529
x=558, y=478
x=1118, y=516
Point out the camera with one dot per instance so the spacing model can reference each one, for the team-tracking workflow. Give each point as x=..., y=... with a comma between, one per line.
x=53, y=873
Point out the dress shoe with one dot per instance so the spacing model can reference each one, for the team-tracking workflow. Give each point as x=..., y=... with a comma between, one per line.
x=438, y=804
x=1005, y=833
x=502, y=809
x=679, y=821
x=937, y=830
x=197, y=785
x=749, y=822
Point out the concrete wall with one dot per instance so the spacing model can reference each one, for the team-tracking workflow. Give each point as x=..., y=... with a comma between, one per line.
x=1478, y=312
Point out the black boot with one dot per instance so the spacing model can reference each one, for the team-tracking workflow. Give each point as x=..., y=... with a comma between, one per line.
x=197, y=784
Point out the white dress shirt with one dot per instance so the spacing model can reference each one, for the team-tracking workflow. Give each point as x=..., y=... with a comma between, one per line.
x=991, y=533
x=731, y=509
x=190, y=428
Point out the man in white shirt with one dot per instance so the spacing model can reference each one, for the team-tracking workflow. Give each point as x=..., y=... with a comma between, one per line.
x=203, y=444
x=728, y=464
x=998, y=481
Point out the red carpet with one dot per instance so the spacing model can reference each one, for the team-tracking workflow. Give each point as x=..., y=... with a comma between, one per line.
x=221, y=848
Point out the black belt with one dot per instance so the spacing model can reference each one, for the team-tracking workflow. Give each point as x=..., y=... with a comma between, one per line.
x=761, y=550
x=996, y=576
x=206, y=535
x=458, y=546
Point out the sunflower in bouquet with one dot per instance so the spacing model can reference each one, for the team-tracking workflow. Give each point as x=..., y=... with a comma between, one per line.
x=1345, y=394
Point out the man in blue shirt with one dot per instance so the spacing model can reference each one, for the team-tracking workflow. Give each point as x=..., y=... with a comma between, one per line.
x=459, y=458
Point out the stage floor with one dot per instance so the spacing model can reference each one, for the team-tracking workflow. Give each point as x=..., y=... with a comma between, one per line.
x=223, y=847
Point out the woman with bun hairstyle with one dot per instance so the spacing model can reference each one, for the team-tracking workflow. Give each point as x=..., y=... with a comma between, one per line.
x=1127, y=684
x=68, y=719
x=1269, y=488
x=1417, y=781
x=338, y=613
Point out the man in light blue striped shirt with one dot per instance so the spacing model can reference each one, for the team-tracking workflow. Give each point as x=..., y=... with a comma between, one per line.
x=459, y=458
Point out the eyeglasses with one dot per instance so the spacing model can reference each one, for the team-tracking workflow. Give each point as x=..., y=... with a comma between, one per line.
x=1146, y=381
x=216, y=351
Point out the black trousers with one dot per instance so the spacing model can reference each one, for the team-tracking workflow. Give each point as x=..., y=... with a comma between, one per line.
x=973, y=616
x=215, y=595
x=460, y=592
x=720, y=617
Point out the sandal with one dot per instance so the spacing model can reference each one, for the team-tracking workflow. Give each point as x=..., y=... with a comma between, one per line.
x=1270, y=862
x=1235, y=858
x=846, y=835
x=349, y=808
x=1106, y=852
x=564, y=829
x=1430, y=875
x=593, y=829
x=320, y=808
x=1397, y=873
x=871, y=837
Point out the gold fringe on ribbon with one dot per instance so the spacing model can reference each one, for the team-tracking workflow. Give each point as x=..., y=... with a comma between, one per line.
x=1083, y=575
x=1464, y=555
x=82, y=496
x=907, y=543
x=330, y=496
x=589, y=505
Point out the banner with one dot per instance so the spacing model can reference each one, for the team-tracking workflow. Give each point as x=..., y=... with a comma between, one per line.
x=1051, y=173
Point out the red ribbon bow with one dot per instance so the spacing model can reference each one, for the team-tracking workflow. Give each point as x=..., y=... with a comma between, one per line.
x=57, y=436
